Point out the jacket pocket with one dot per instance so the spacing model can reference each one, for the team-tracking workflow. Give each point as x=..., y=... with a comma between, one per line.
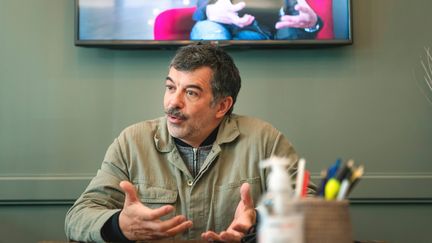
x=156, y=197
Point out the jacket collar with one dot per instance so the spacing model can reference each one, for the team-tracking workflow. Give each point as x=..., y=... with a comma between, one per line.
x=228, y=132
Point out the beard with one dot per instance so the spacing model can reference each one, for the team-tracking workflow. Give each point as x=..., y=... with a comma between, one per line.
x=181, y=130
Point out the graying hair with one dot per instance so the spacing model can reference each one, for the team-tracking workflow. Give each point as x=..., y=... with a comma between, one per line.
x=226, y=79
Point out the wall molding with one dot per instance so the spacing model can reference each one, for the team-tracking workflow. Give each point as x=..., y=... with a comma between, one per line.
x=382, y=186
x=42, y=188
x=60, y=189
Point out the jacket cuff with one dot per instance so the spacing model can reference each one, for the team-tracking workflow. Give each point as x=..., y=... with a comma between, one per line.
x=111, y=230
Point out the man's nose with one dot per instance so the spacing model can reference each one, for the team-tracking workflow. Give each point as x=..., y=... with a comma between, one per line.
x=177, y=99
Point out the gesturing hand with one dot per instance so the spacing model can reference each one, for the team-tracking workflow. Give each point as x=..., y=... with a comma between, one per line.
x=138, y=222
x=244, y=218
x=223, y=11
x=307, y=17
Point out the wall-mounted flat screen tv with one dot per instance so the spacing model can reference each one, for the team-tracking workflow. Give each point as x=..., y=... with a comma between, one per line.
x=247, y=23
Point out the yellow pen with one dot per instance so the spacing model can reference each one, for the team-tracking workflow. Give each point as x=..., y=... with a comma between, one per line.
x=332, y=189
x=333, y=185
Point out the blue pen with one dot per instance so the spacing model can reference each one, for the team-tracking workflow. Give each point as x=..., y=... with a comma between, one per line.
x=333, y=169
x=320, y=191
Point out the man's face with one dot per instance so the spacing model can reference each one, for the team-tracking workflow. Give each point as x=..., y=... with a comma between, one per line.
x=191, y=115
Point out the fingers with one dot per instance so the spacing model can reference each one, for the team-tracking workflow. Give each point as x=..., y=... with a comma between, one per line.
x=210, y=236
x=227, y=6
x=238, y=6
x=241, y=227
x=168, y=227
x=226, y=236
x=152, y=214
x=286, y=24
x=179, y=228
x=243, y=21
x=245, y=195
x=288, y=21
x=140, y=226
x=306, y=18
x=132, y=198
x=231, y=236
x=137, y=221
x=305, y=9
x=159, y=230
x=302, y=2
x=130, y=191
x=223, y=11
x=244, y=218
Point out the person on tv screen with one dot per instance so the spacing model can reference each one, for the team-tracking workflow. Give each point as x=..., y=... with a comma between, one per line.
x=191, y=174
x=225, y=20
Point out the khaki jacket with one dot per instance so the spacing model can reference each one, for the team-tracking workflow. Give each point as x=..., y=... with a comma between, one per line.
x=146, y=155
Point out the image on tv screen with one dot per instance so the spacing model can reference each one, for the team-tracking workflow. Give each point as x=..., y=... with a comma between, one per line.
x=173, y=20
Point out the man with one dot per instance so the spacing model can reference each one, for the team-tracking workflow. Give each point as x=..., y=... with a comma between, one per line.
x=182, y=175
x=249, y=20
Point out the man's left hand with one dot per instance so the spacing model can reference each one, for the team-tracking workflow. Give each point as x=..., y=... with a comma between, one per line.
x=244, y=218
x=306, y=18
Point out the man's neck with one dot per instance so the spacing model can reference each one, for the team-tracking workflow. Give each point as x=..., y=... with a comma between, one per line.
x=211, y=138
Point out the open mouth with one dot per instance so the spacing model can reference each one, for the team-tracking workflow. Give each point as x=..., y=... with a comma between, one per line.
x=175, y=116
x=175, y=119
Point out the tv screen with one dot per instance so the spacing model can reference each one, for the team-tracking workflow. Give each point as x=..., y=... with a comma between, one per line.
x=248, y=23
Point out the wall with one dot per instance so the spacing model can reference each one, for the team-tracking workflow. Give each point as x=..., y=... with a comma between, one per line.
x=61, y=106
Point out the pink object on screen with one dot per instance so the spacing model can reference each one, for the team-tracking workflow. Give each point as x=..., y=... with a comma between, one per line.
x=174, y=24
x=324, y=9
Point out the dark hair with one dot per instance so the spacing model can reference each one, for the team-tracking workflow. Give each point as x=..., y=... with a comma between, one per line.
x=226, y=79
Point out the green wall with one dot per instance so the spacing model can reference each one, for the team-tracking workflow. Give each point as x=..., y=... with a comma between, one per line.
x=61, y=106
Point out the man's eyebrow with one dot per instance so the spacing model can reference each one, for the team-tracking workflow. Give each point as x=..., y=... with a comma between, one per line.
x=194, y=86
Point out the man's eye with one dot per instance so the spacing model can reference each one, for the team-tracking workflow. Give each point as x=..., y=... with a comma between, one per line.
x=169, y=87
x=191, y=93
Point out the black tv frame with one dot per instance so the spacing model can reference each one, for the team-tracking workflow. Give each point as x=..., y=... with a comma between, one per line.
x=241, y=44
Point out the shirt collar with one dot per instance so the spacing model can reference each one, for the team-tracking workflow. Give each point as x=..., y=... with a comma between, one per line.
x=208, y=141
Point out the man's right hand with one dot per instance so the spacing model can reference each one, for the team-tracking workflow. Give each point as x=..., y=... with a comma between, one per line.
x=223, y=11
x=138, y=222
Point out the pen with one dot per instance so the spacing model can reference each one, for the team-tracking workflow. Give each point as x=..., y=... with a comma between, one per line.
x=331, y=189
x=345, y=170
x=332, y=170
x=333, y=184
x=305, y=183
x=356, y=175
x=320, y=191
x=343, y=191
x=330, y=173
x=300, y=178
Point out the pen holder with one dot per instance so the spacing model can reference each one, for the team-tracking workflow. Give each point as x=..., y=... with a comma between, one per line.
x=325, y=221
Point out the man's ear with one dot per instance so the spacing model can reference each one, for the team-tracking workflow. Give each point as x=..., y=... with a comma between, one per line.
x=223, y=106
